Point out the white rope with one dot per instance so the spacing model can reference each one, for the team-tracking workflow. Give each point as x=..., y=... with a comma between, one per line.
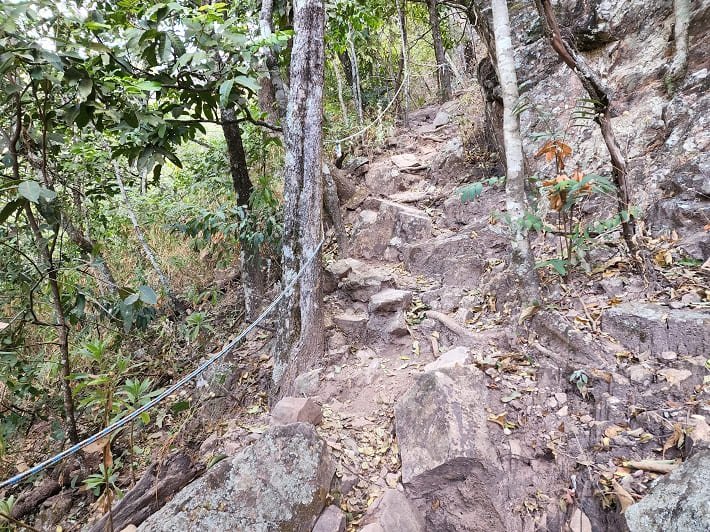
x=376, y=120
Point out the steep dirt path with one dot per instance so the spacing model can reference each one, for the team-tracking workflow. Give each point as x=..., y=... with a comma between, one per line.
x=417, y=292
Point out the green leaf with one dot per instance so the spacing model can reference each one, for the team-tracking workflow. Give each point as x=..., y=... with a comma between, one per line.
x=470, y=192
x=30, y=190
x=130, y=300
x=149, y=86
x=180, y=406
x=249, y=83
x=85, y=88
x=225, y=89
x=147, y=295
x=9, y=209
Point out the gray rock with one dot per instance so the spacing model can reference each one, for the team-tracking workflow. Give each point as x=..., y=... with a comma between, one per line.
x=294, y=409
x=393, y=512
x=351, y=322
x=679, y=502
x=363, y=281
x=445, y=450
x=455, y=260
x=390, y=300
x=655, y=328
x=308, y=383
x=277, y=484
x=331, y=520
x=458, y=356
x=441, y=119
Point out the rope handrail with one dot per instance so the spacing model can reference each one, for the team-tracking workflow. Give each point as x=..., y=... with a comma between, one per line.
x=117, y=425
x=377, y=119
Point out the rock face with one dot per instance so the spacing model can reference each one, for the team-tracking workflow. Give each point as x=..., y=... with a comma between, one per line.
x=331, y=520
x=679, y=502
x=446, y=455
x=277, y=484
x=655, y=328
x=294, y=409
x=393, y=512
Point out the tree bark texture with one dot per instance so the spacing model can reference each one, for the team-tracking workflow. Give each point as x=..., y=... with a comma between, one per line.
x=676, y=72
x=443, y=71
x=355, y=75
x=592, y=83
x=238, y=166
x=300, y=339
x=274, y=84
x=522, y=261
x=403, y=61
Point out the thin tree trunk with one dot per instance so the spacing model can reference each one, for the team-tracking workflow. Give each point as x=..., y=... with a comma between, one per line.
x=443, y=72
x=403, y=60
x=276, y=85
x=300, y=340
x=61, y=325
x=147, y=251
x=522, y=261
x=46, y=254
x=238, y=167
x=341, y=99
x=679, y=66
x=594, y=86
x=105, y=278
x=357, y=92
x=332, y=205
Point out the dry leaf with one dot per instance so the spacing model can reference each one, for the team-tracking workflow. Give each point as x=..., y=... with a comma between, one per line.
x=97, y=446
x=624, y=497
x=654, y=466
x=498, y=419
x=612, y=431
x=674, y=440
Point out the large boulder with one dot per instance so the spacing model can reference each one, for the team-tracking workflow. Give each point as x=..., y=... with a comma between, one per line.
x=455, y=260
x=679, y=502
x=448, y=463
x=357, y=279
x=278, y=484
x=655, y=328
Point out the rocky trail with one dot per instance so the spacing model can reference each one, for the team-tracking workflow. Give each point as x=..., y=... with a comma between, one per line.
x=435, y=408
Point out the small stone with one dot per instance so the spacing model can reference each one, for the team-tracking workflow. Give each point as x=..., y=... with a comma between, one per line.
x=331, y=520
x=307, y=383
x=390, y=300
x=551, y=402
x=351, y=321
x=392, y=479
x=130, y=528
x=561, y=397
x=441, y=119
x=393, y=512
x=639, y=373
x=458, y=356
x=675, y=376
x=586, y=419
x=347, y=483
x=563, y=412
x=405, y=160
x=293, y=409
x=668, y=355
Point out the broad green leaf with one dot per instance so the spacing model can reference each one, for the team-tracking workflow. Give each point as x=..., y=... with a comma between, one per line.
x=225, y=89
x=130, y=300
x=30, y=190
x=147, y=295
x=85, y=88
x=249, y=83
x=9, y=209
x=149, y=86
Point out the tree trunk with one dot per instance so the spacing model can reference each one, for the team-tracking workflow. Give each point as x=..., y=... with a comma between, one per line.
x=238, y=167
x=249, y=256
x=592, y=83
x=147, y=251
x=357, y=91
x=46, y=254
x=522, y=262
x=332, y=205
x=274, y=84
x=61, y=325
x=300, y=340
x=341, y=99
x=678, y=67
x=443, y=72
x=403, y=60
